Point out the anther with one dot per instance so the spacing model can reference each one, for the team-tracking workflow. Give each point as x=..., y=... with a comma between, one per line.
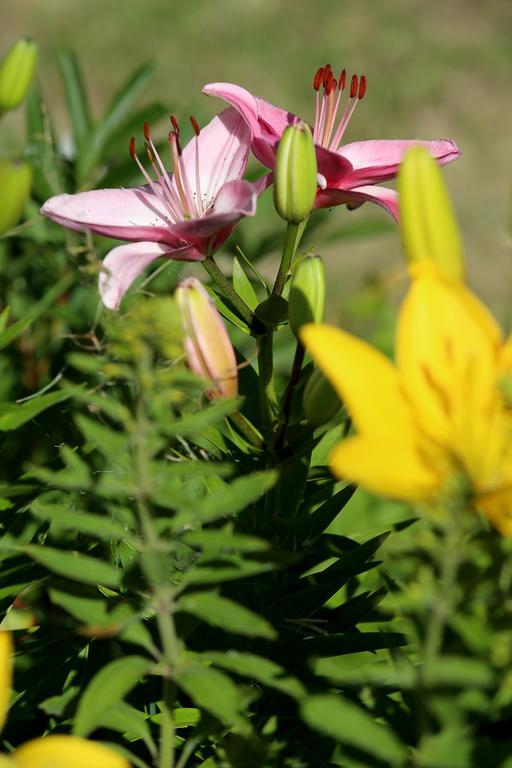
x=131, y=147
x=342, y=81
x=195, y=125
x=146, y=131
x=353, y=86
x=329, y=85
x=317, y=80
x=362, y=87
x=175, y=124
x=326, y=73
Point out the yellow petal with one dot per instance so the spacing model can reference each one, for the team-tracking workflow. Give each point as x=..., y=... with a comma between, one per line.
x=384, y=467
x=364, y=379
x=5, y=674
x=66, y=752
x=429, y=228
x=447, y=353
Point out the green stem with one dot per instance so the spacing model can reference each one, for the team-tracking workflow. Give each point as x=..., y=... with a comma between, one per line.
x=268, y=398
x=227, y=289
x=292, y=239
x=154, y=568
x=290, y=391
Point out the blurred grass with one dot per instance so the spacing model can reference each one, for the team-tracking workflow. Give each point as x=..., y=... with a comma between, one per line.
x=436, y=69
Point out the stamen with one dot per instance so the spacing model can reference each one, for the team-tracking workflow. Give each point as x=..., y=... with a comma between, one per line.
x=362, y=87
x=175, y=124
x=353, y=86
x=199, y=199
x=161, y=175
x=157, y=191
x=195, y=125
x=131, y=148
x=342, y=80
x=318, y=78
x=176, y=156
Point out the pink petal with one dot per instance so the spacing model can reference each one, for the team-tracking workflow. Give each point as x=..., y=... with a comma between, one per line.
x=126, y=262
x=234, y=200
x=386, y=198
x=266, y=121
x=127, y=214
x=223, y=147
x=333, y=167
x=375, y=161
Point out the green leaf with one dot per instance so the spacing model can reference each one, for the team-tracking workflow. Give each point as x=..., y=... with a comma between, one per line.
x=129, y=721
x=226, y=614
x=13, y=415
x=449, y=748
x=107, y=688
x=230, y=499
x=63, y=518
x=348, y=642
x=48, y=301
x=40, y=148
x=73, y=565
x=192, y=424
x=113, y=444
x=226, y=312
x=348, y=723
x=117, y=111
x=213, y=691
x=265, y=671
x=224, y=541
x=76, y=98
x=243, y=285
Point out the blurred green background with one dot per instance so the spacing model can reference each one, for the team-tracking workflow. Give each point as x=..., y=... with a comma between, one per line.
x=435, y=69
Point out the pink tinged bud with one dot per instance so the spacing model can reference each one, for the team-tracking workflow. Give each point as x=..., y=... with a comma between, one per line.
x=208, y=348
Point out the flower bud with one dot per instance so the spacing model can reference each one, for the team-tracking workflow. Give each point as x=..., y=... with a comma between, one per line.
x=15, y=181
x=208, y=348
x=306, y=301
x=295, y=174
x=16, y=73
x=429, y=228
x=320, y=402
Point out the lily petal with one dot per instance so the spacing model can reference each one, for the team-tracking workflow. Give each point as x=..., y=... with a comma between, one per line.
x=375, y=161
x=364, y=379
x=448, y=356
x=383, y=196
x=384, y=466
x=234, y=200
x=266, y=121
x=223, y=148
x=5, y=674
x=124, y=264
x=126, y=214
x=66, y=752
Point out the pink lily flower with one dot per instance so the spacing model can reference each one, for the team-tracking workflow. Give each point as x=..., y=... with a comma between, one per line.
x=347, y=173
x=184, y=215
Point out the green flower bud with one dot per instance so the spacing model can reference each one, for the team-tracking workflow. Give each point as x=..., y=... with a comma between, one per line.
x=306, y=302
x=15, y=182
x=320, y=402
x=16, y=73
x=295, y=174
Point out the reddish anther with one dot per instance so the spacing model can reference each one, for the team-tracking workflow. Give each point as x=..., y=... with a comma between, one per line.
x=342, y=82
x=329, y=85
x=362, y=87
x=325, y=76
x=353, y=86
x=131, y=147
x=318, y=79
x=147, y=132
x=195, y=125
x=175, y=124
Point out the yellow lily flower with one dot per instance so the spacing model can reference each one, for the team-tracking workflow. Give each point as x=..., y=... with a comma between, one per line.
x=51, y=751
x=437, y=422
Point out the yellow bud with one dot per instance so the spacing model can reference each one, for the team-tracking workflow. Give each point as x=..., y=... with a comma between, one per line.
x=295, y=174
x=16, y=73
x=429, y=228
x=320, y=402
x=306, y=302
x=15, y=182
x=208, y=348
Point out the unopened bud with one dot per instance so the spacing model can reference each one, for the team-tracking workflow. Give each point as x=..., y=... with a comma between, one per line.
x=306, y=302
x=15, y=181
x=429, y=228
x=208, y=348
x=16, y=73
x=320, y=403
x=295, y=174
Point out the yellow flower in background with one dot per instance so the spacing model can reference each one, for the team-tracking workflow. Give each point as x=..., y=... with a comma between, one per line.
x=51, y=751
x=429, y=228
x=437, y=422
